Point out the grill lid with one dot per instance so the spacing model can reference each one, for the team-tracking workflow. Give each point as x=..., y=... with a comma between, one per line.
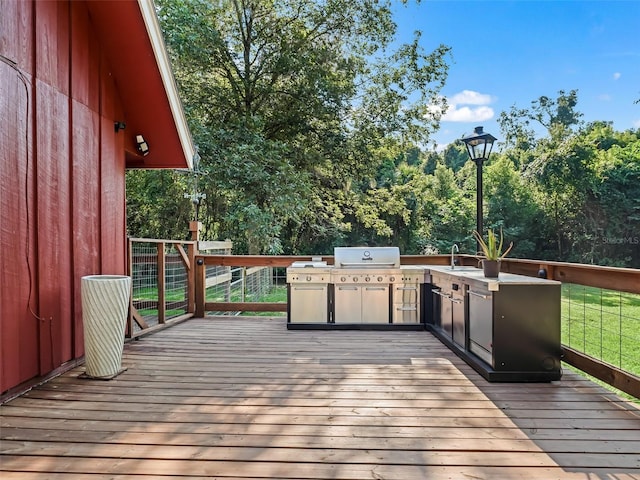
x=366, y=257
x=312, y=264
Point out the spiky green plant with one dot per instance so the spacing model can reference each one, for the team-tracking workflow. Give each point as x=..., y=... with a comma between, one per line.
x=491, y=248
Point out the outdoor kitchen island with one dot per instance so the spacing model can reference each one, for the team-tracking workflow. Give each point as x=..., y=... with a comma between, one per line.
x=506, y=328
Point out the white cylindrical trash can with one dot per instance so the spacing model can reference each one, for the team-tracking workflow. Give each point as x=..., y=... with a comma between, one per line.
x=105, y=303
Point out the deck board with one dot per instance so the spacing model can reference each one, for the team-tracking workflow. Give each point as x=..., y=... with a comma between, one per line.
x=245, y=398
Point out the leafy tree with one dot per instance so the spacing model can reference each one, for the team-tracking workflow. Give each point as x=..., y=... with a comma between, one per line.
x=455, y=155
x=452, y=213
x=516, y=129
x=148, y=216
x=308, y=117
x=614, y=209
x=291, y=100
x=512, y=206
x=558, y=116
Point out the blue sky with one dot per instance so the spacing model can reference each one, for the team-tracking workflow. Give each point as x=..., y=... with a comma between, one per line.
x=511, y=52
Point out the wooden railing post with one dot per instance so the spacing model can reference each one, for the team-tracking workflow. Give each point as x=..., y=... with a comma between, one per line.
x=200, y=275
x=161, y=283
x=192, y=251
x=129, y=327
x=194, y=229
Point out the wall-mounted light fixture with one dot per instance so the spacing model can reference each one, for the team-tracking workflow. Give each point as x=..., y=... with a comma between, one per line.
x=143, y=146
x=119, y=126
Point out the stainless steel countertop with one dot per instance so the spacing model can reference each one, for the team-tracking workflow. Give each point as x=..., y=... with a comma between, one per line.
x=476, y=276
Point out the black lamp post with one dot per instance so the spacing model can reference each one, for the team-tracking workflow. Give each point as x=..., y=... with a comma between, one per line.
x=479, y=145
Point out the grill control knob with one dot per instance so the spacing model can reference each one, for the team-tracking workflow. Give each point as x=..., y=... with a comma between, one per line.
x=343, y=279
x=367, y=279
x=308, y=278
x=392, y=279
x=379, y=279
x=355, y=279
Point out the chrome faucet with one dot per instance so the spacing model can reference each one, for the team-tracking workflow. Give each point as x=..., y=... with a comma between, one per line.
x=454, y=247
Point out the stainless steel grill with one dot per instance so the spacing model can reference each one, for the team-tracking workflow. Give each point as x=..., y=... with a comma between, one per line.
x=361, y=279
x=366, y=285
x=366, y=257
x=370, y=287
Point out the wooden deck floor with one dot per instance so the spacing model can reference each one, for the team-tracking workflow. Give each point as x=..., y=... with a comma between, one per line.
x=244, y=398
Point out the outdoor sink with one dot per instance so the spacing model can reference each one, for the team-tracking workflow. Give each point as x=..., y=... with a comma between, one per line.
x=448, y=269
x=459, y=271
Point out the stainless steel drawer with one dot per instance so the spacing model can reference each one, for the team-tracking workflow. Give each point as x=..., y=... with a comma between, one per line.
x=403, y=313
x=407, y=294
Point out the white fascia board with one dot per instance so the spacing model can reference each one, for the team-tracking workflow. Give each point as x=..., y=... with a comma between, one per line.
x=148, y=10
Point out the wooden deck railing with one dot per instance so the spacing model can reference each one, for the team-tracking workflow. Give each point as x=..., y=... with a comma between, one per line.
x=610, y=278
x=163, y=281
x=190, y=298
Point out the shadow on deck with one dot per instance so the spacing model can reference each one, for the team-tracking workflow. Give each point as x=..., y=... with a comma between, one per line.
x=245, y=398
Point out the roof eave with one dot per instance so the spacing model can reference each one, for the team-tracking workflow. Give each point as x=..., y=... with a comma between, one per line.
x=132, y=41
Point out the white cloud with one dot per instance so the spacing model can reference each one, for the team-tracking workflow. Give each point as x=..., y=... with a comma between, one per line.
x=617, y=75
x=467, y=114
x=469, y=97
x=467, y=106
x=636, y=123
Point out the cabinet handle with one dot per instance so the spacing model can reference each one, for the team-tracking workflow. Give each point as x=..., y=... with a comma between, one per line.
x=309, y=288
x=375, y=288
x=438, y=292
x=347, y=288
x=455, y=300
x=475, y=294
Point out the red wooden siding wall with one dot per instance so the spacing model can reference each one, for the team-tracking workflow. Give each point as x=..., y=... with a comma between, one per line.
x=63, y=186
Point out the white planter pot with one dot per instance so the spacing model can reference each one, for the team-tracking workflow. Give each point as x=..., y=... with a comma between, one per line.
x=105, y=302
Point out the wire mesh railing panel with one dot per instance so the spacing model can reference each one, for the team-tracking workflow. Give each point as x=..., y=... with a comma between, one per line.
x=144, y=280
x=176, y=283
x=604, y=324
x=157, y=296
x=258, y=283
x=245, y=284
x=220, y=286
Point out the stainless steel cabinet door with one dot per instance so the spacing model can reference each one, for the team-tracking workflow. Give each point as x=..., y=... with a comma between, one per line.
x=457, y=313
x=375, y=304
x=347, y=304
x=481, y=325
x=308, y=304
x=446, y=315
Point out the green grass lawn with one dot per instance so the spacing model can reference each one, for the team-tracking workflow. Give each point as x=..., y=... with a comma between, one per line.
x=151, y=294
x=604, y=324
x=276, y=294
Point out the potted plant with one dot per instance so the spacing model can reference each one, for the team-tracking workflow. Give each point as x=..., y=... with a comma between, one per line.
x=492, y=251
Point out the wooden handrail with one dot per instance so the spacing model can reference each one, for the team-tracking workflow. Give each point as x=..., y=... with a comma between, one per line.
x=612, y=278
x=620, y=379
